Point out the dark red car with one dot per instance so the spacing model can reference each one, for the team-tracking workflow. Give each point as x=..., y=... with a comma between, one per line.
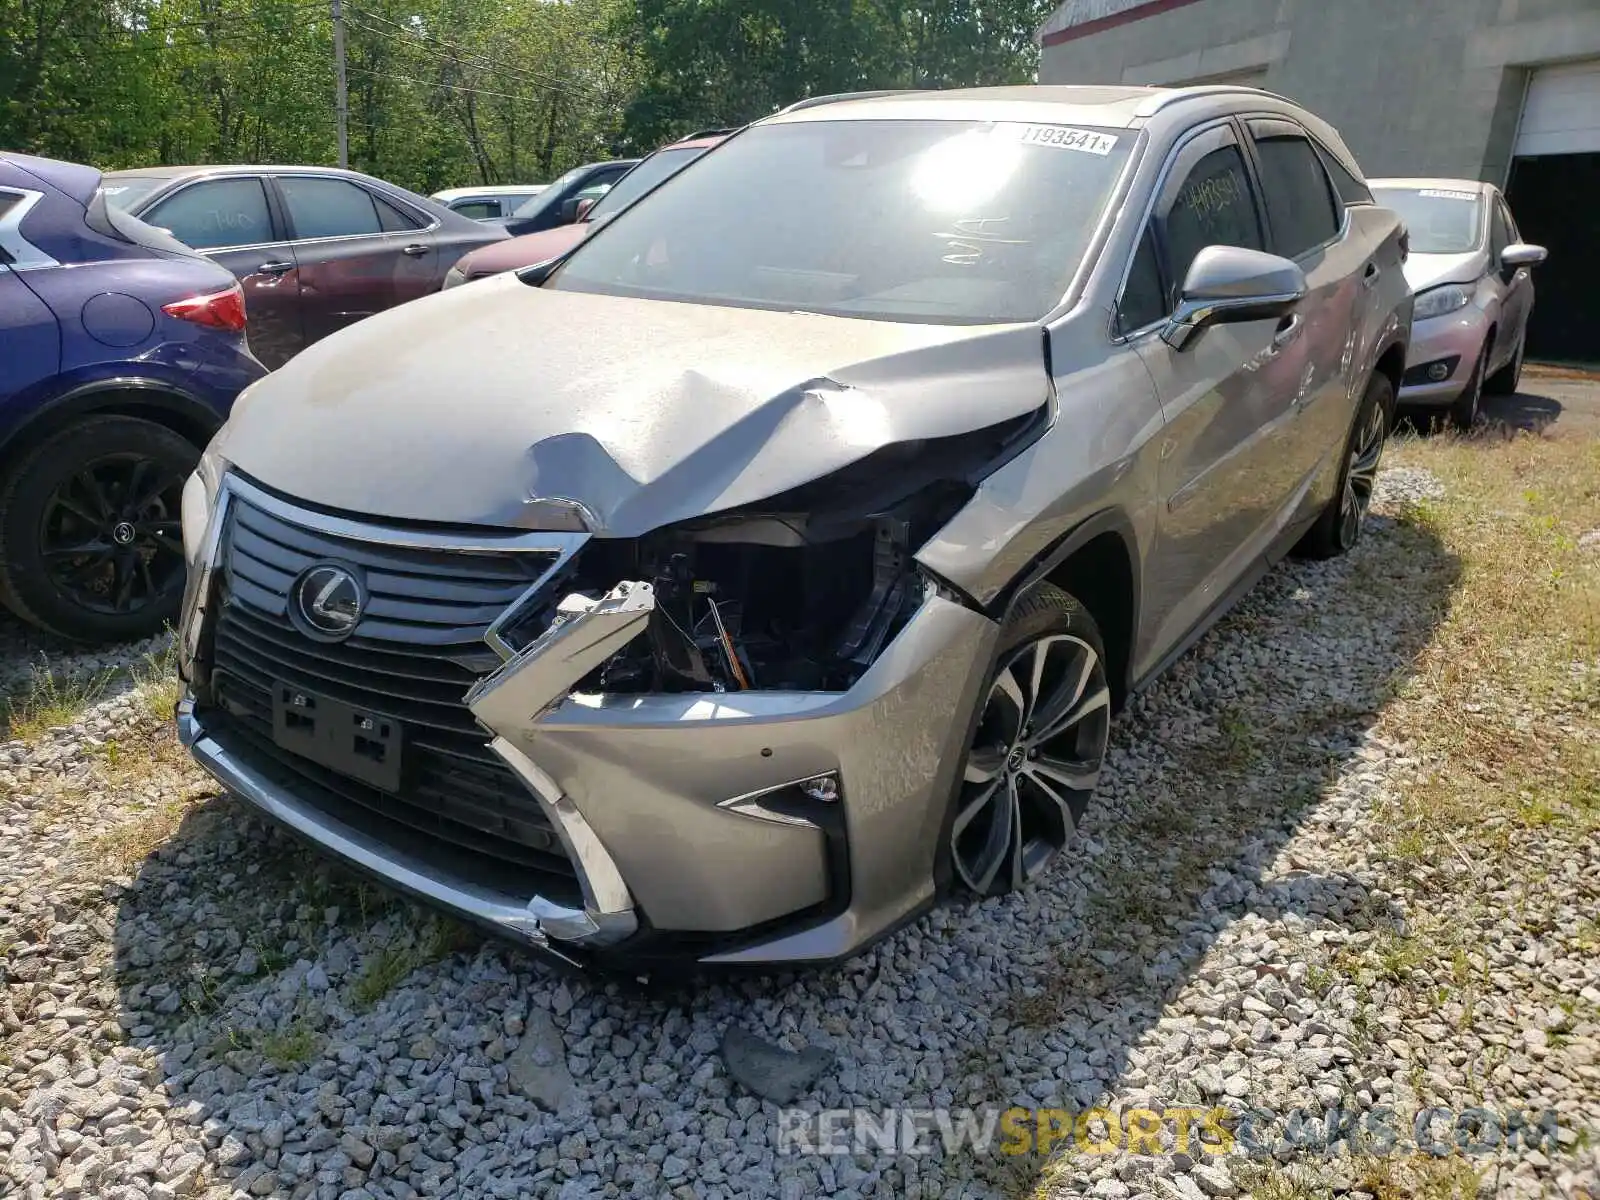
x=553, y=243
x=314, y=248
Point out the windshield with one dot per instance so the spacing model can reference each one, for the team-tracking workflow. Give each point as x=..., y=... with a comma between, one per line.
x=548, y=193
x=939, y=221
x=125, y=191
x=1439, y=220
x=663, y=164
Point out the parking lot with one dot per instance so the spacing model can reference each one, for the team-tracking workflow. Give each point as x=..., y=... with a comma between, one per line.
x=1344, y=858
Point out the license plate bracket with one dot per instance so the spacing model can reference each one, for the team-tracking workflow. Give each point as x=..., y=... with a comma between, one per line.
x=353, y=741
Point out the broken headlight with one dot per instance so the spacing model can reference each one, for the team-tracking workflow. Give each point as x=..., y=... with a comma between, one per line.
x=799, y=592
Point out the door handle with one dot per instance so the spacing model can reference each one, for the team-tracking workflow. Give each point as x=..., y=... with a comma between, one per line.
x=1371, y=277
x=415, y=250
x=1288, y=330
x=274, y=268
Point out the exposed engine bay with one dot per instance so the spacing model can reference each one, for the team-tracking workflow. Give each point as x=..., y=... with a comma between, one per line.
x=801, y=592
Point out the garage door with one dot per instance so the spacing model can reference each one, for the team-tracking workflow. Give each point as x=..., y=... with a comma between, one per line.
x=1562, y=112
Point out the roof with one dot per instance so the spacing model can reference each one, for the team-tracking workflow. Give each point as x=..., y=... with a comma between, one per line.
x=75, y=179
x=1115, y=107
x=179, y=172
x=703, y=142
x=1476, y=186
x=491, y=189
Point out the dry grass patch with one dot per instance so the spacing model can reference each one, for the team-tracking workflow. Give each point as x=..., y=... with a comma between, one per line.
x=49, y=700
x=123, y=848
x=1501, y=706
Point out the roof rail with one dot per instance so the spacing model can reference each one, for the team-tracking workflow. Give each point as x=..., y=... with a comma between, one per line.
x=1169, y=96
x=705, y=133
x=836, y=97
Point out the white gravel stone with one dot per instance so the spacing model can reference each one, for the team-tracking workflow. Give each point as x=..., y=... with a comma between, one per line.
x=205, y=1022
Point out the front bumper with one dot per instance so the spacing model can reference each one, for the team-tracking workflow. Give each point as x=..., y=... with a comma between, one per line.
x=658, y=799
x=1454, y=340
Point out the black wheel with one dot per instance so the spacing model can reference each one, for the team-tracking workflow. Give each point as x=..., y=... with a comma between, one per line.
x=1338, y=526
x=91, y=547
x=1504, y=381
x=1465, y=411
x=1037, y=749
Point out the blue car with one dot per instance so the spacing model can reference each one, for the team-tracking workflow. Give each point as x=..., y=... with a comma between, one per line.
x=121, y=351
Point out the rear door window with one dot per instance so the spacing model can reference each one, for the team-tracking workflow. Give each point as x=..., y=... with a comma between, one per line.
x=478, y=210
x=324, y=208
x=215, y=214
x=1351, y=190
x=393, y=218
x=1299, y=196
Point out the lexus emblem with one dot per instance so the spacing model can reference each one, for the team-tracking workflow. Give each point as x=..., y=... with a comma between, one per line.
x=327, y=601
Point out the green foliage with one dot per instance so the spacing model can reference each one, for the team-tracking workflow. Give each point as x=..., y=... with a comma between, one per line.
x=442, y=92
x=723, y=62
x=451, y=92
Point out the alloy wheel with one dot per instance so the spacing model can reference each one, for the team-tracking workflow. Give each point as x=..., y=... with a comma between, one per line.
x=1033, y=764
x=1366, y=450
x=110, y=535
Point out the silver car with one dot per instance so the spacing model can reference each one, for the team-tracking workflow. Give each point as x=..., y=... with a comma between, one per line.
x=1470, y=270
x=488, y=202
x=772, y=566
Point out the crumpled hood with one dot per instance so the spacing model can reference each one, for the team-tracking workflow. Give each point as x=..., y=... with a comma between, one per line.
x=1424, y=271
x=463, y=407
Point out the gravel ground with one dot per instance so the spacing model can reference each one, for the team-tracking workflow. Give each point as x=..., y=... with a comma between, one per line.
x=192, y=1005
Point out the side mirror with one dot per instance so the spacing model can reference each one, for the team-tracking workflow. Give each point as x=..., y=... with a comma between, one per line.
x=535, y=274
x=568, y=212
x=1228, y=284
x=1521, y=254
x=584, y=205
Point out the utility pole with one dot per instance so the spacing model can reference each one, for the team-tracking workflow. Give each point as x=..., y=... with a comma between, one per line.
x=341, y=95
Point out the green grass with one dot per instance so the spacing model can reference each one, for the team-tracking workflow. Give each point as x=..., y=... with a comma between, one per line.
x=49, y=700
x=383, y=971
x=284, y=1050
x=156, y=679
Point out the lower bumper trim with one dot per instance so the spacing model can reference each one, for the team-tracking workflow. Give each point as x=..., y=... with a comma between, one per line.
x=533, y=920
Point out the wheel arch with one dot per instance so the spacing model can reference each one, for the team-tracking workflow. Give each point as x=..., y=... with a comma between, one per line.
x=130, y=396
x=1097, y=563
x=1392, y=364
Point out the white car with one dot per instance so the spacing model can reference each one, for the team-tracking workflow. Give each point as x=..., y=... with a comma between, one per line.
x=1470, y=270
x=487, y=203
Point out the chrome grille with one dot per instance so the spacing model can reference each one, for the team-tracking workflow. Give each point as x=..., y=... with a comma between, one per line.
x=416, y=650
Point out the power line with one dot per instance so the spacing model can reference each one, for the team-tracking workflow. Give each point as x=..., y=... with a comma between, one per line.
x=248, y=35
x=549, y=80
x=440, y=56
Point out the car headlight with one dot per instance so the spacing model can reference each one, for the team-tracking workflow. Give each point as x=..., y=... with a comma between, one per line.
x=1436, y=302
x=454, y=277
x=199, y=501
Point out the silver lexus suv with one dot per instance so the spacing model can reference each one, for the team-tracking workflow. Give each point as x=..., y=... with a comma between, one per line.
x=772, y=566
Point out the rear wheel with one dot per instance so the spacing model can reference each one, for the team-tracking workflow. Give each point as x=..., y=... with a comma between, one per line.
x=1040, y=741
x=91, y=547
x=1338, y=527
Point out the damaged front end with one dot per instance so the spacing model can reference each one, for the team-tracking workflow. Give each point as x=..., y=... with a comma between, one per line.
x=730, y=739
x=798, y=593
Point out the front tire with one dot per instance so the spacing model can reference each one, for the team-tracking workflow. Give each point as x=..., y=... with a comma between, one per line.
x=91, y=546
x=1465, y=411
x=1338, y=526
x=1038, y=747
x=1504, y=381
